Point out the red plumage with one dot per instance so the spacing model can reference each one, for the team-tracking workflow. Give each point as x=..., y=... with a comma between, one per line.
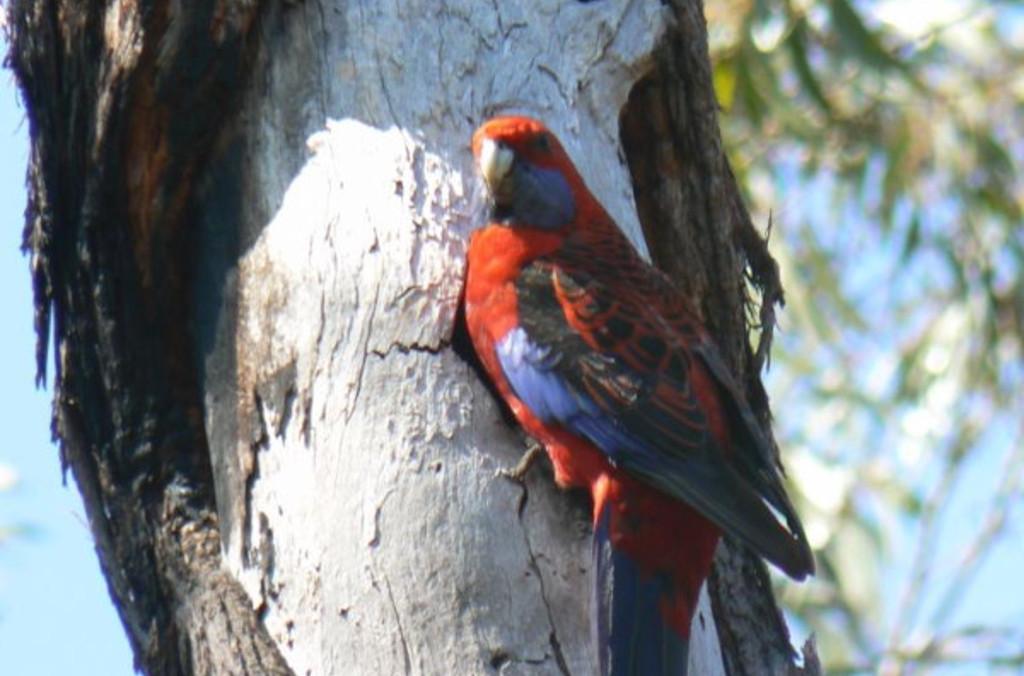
x=602, y=361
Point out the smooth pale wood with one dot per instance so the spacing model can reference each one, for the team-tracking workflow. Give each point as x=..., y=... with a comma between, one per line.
x=356, y=454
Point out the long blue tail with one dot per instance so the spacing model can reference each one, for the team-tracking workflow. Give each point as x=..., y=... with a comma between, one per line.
x=630, y=632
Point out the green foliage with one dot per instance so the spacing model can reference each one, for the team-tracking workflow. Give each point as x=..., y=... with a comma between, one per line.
x=884, y=140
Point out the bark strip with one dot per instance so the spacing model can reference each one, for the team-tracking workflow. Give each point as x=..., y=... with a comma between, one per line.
x=126, y=103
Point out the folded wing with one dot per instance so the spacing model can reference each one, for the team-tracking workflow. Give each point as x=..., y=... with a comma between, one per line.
x=610, y=368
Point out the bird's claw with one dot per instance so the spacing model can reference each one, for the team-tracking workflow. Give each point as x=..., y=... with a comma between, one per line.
x=519, y=472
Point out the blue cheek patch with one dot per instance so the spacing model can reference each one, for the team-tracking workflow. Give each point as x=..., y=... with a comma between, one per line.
x=541, y=198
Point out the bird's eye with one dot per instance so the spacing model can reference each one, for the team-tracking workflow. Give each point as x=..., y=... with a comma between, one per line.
x=542, y=143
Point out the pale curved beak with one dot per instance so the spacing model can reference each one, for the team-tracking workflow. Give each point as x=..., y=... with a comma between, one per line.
x=495, y=163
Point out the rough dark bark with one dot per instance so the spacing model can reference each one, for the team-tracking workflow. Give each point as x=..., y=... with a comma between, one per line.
x=124, y=109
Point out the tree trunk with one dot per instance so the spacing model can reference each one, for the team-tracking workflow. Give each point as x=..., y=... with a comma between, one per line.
x=247, y=223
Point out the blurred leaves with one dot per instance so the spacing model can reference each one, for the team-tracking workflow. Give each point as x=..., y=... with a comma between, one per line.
x=885, y=138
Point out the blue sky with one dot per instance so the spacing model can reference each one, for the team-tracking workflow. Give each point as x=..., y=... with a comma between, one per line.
x=55, y=614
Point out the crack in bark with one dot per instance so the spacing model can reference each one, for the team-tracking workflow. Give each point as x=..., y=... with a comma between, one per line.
x=260, y=440
x=607, y=44
x=266, y=564
x=401, y=630
x=406, y=348
x=350, y=405
x=556, y=646
x=375, y=539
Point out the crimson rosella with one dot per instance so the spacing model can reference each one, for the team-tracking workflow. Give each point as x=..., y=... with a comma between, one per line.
x=604, y=362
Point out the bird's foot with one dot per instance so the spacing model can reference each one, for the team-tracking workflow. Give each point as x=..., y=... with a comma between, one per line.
x=518, y=473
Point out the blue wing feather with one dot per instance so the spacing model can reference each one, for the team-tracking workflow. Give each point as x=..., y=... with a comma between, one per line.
x=529, y=368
